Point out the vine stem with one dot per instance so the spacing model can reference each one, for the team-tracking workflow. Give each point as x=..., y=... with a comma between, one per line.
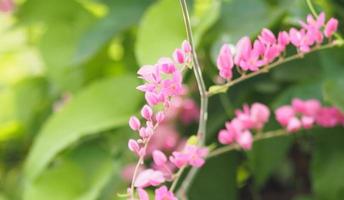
x=224, y=87
x=201, y=133
x=232, y=147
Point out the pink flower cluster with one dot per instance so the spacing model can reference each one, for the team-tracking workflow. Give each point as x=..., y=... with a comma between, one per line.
x=306, y=113
x=161, y=171
x=163, y=86
x=162, y=82
x=300, y=114
x=239, y=129
x=251, y=56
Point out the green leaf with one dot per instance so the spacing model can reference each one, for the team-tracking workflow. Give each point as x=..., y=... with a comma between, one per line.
x=214, y=89
x=105, y=104
x=216, y=179
x=266, y=156
x=122, y=14
x=205, y=14
x=80, y=175
x=333, y=91
x=160, y=32
x=327, y=165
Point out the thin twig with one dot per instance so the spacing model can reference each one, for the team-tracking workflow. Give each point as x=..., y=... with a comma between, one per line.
x=263, y=136
x=201, y=133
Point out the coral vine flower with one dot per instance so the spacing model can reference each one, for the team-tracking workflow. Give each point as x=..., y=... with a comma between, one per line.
x=163, y=193
x=305, y=113
x=192, y=155
x=225, y=62
x=149, y=177
x=238, y=130
x=267, y=47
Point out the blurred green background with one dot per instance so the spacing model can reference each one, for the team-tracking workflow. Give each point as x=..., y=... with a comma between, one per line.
x=67, y=88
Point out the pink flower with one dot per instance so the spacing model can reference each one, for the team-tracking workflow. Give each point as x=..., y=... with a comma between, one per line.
x=192, y=155
x=284, y=114
x=149, y=177
x=159, y=158
x=260, y=114
x=134, y=146
x=226, y=137
x=307, y=122
x=186, y=46
x=328, y=117
x=245, y=140
x=309, y=107
x=225, y=62
x=179, y=159
x=283, y=39
x=147, y=112
x=6, y=5
x=267, y=37
x=163, y=193
x=243, y=50
x=166, y=65
x=159, y=117
x=294, y=125
x=134, y=123
x=331, y=27
x=143, y=195
x=179, y=56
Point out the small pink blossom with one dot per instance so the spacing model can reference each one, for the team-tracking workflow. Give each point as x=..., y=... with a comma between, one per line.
x=267, y=37
x=294, y=125
x=179, y=56
x=134, y=146
x=143, y=195
x=328, y=117
x=166, y=65
x=245, y=140
x=147, y=112
x=192, y=155
x=284, y=114
x=283, y=39
x=134, y=123
x=225, y=62
x=163, y=193
x=331, y=27
x=186, y=46
x=226, y=137
x=307, y=122
x=159, y=158
x=149, y=177
x=309, y=107
x=243, y=50
x=159, y=117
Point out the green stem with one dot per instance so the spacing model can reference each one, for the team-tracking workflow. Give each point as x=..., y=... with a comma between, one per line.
x=175, y=181
x=311, y=7
x=201, y=133
x=228, y=148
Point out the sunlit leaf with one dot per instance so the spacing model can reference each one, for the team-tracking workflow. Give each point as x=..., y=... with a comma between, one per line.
x=95, y=109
